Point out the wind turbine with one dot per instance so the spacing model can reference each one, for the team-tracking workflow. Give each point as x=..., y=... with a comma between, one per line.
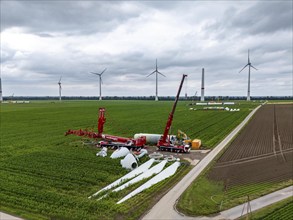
x=100, y=77
x=157, y=72
x=1, y=98
x=59, y=83
x=249, y=65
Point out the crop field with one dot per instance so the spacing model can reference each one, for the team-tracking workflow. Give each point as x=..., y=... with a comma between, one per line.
x=258, y=161
x=45, y=175
x=282, y=210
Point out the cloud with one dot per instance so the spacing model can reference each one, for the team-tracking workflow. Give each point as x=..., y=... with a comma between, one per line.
x=40, y=41
x=69, y=17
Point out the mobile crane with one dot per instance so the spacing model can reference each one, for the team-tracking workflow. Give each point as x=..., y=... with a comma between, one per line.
x=109, y=140
x=172, y=144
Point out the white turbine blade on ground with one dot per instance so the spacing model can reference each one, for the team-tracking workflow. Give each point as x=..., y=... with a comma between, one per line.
x=253, y=67
x=130, y=175
x=169, y=171
x=243, y=68
x=148, y=173
x=161, y=74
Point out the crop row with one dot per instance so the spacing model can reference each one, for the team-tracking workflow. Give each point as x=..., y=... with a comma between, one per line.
x=45, y=173
x=247, y=167
x=282, y=213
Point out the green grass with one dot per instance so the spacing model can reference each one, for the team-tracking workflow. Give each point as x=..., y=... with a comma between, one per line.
x=282, y=210
x=206, y=197
x=45, y=175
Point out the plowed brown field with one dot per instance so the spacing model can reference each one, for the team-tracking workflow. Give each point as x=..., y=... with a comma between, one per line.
x=263, y=151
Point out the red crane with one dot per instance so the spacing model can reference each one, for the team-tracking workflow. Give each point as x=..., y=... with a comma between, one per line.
x=109, y=140
x=165, y=143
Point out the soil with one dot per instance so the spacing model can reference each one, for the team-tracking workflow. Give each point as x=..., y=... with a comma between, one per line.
x=263, y=151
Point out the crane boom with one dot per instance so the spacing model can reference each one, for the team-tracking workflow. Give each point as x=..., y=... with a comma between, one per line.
x=162, y=141
x=109, y=140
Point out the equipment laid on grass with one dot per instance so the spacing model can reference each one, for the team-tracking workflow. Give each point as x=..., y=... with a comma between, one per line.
x=129, y=162
x=142, y=168
x=172, y=143
x=169, y=171
x=102, y=153
x=120, y=152
x=151, y=138
x=109, y=140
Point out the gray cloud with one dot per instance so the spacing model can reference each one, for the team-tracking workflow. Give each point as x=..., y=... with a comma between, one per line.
x=263, y=17
x=70, y=17
x=43, y=40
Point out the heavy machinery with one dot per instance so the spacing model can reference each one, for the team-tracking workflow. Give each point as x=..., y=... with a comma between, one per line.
x=183, y=137
x=171, y=143
x=109, y=140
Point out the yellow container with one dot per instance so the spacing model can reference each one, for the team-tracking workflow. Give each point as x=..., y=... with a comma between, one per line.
x=195, y=144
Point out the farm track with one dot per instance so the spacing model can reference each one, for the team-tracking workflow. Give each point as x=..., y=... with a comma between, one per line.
x=263, y=151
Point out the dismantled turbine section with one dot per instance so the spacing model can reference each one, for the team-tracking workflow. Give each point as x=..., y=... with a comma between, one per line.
x=148, y=173
x=121, y=152
x=145, y=166
x=169, y=171
x=129, y=162
x=102, y=153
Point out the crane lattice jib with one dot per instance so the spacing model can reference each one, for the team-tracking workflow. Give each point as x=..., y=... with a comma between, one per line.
x=170, y=118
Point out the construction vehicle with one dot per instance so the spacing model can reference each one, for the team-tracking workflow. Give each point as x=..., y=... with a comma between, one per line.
x=183, y=137
x=109, y=140
x=168, y=142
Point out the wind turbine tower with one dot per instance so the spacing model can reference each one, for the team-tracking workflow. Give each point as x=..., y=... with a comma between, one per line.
x=100, y=77
x=249, y=65
x=157, y=72
x=60, y=88
x=202, y=86
x=1, y=98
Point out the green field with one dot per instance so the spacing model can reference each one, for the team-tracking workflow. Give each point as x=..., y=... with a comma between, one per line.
x=282, y=210
x=47, y=175
x=211, y=197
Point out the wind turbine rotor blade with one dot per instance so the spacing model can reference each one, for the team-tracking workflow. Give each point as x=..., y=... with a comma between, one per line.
x=161, y=74
x=60, y=79
x=95, y=73
x=248, y=57
x=103, y=71
x=243, y=68
x=253, y=67
x=151, y=73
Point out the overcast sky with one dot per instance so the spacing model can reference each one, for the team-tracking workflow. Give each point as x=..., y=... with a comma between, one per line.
x=42, y=40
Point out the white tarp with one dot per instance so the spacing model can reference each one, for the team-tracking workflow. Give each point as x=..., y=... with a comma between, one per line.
x=128, y=176
x=169, y=171
x=148, y=173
